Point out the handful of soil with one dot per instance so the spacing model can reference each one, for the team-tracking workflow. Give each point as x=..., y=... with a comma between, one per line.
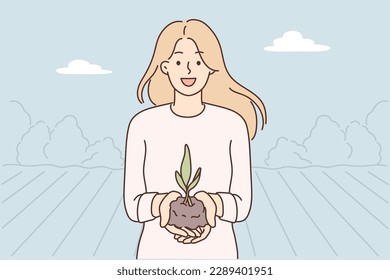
x=182, y=215
x=187, y=211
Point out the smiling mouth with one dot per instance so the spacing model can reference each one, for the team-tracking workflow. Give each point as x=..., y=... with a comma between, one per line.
x=188, y=81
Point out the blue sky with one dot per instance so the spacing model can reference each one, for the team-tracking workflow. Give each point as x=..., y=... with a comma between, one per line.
x=344, y=83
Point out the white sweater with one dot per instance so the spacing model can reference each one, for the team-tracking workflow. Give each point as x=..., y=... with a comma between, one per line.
x=219, y=144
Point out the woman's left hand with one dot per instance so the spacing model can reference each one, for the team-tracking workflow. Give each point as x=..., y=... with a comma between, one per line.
x=213, y=206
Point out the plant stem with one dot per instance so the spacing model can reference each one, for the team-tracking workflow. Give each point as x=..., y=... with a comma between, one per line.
x=187, y=199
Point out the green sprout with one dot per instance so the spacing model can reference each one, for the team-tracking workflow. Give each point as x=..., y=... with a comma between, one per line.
x=183, y=178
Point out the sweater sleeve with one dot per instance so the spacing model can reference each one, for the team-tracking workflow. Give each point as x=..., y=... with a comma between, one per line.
x=138, y=202
x=237, y=202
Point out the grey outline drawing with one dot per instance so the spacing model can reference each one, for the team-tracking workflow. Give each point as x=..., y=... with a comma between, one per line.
x=87, y=157
x=301, y=153
x=305, y=154
x=373, y=109
x=24, y=110
x=56, y=127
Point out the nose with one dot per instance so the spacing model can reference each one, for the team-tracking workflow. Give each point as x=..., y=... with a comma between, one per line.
x=188, y=67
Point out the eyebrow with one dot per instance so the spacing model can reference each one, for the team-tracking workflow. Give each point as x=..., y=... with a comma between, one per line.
x=182, y=52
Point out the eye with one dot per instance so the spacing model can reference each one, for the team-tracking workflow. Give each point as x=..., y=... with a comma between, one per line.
x=178, y=63
x=198, y=62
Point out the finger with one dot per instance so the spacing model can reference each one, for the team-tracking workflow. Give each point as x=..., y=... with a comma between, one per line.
x=188, y=240
x=188, y=231
x=176, y=236
x=211, y=208
x=181, y=239
x=197, y=232
x=174, y=230
x=205, y=233
x=165, y=207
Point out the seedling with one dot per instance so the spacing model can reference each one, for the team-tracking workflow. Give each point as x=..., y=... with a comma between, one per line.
x=187, y=211
x=183, y=178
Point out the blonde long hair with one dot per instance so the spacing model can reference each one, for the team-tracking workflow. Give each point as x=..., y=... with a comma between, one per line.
x=221, y=89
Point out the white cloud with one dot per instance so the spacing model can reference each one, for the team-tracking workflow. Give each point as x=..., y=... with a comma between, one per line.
x=82, y=67
x=293, y=41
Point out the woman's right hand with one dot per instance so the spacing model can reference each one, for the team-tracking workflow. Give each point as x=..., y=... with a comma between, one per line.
x=161, y=207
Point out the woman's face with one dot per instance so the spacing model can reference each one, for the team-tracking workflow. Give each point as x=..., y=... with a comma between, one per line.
x=185, y=68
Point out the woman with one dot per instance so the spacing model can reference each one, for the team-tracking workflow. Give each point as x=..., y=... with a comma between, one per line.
x=198, y=104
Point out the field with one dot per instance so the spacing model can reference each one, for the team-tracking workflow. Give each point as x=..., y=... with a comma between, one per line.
x=311, y=213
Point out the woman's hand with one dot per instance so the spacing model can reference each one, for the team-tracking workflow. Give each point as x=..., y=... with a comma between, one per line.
x=161, y=208
x=200, y=234
x=214, y=207
x=212, y=204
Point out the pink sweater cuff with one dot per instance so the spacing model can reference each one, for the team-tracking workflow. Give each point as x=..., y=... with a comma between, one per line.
x=145, y=207
x=229, y=207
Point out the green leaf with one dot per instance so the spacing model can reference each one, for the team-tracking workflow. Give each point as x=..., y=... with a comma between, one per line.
x=185, y=168
x=197, y=173
x=196, y=179
x=180, y=182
